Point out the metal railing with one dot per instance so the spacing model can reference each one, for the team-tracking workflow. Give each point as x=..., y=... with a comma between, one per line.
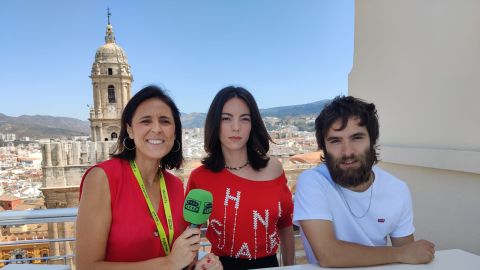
x=10, y=218
x=38, y=216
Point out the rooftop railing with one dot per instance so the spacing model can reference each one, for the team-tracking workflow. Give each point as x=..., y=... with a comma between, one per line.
x=38, y=216
x=12, y=218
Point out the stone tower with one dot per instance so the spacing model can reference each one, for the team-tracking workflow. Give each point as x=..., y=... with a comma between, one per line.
x=111, y=81
x=65, y=161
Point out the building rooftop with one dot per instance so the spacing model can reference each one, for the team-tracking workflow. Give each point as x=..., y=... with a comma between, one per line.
x=308, y=158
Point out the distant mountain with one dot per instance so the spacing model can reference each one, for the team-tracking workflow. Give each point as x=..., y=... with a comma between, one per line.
x=195, y=120
x=43, y=126
x=309, y=109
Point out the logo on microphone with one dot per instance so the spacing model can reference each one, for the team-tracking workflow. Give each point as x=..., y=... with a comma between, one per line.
x=208, y=208
x=193, y=205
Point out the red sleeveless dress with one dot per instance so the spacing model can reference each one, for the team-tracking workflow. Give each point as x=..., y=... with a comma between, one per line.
x=131, y=236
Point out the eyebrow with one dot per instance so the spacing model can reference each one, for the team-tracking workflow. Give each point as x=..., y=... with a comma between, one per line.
x=361, y=133
x=161, y=117
x=229, y=114
x=332, y=138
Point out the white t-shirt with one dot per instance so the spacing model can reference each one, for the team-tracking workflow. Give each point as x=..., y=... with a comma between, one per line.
x=390, y=213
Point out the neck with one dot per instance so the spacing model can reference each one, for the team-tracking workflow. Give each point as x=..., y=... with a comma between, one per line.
x=235, y=158
x=364, y=186
x=148, y=169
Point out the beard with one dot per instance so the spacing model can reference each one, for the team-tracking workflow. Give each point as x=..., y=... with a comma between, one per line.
x=351, y=177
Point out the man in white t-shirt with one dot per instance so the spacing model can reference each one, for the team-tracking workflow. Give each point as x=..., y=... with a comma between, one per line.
x=347, y=207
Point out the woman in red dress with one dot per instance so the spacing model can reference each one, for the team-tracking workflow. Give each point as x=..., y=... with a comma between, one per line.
x=130, y=213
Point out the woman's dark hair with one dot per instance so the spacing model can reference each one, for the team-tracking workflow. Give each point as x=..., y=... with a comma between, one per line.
x=258, y=140
x=343, y=108
x=173, y=159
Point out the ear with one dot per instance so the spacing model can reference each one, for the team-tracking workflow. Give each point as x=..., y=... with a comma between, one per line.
x=130, y=131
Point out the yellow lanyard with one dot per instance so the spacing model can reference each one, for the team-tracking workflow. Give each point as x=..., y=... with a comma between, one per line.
x=166, y=206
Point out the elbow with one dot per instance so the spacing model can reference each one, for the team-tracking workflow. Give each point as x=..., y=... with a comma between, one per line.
x=327, y=259
x=325, y=263
x=328, y=264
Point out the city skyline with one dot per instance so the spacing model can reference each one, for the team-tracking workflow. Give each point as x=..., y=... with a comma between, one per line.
x=284, y=53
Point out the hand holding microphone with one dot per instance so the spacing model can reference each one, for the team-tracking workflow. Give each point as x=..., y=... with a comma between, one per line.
x=197, y=207
x=196, y=211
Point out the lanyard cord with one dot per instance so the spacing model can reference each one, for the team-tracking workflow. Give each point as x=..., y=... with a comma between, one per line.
x=166, y=206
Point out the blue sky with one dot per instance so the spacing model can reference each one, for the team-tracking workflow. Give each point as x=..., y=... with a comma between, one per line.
x=284, y=52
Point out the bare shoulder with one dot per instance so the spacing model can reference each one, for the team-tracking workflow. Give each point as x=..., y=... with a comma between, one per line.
x=274, y=168
x=95, y=183
x=93, y=219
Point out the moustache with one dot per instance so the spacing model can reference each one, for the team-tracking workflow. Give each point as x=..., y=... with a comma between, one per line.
x=352, y=157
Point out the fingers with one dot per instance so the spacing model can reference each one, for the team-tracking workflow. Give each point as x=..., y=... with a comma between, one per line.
x=185, y=247
x=191, y=237
x=432, y=245
x=429, y=246
x=189, y=232
x=209, y=261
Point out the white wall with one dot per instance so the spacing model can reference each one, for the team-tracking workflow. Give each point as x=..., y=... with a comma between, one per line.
x=445, y=213
x=419, y=62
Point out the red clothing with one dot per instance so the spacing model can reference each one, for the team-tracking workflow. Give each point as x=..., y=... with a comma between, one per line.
x=246, y=214
x=131, y=236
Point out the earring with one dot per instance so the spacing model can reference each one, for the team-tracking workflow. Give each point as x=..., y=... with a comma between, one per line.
x=125, y=145
x=179, y=146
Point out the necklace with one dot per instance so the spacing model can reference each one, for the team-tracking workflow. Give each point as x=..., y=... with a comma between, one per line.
x=237, y=168
x=348, y=206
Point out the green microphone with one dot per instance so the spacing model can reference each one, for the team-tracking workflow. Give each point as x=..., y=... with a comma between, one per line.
x=197, y=207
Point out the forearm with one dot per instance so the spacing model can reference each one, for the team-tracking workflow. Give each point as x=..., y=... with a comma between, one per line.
x=287, y=244
x=349, y=254
x=156, y=263
x=346, y=254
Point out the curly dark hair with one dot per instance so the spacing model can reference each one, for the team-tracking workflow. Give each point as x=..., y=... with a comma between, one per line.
x=343, y=108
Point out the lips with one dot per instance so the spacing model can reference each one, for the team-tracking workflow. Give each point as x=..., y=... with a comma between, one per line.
x=156, y=141
x=351, y=163
x=235, y=138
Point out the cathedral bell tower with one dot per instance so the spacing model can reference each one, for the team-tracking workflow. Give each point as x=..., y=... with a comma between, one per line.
x=112, y=82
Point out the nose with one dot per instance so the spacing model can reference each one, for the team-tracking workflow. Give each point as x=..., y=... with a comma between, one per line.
x=347, y=149
x=156, y=127
x=236, y=125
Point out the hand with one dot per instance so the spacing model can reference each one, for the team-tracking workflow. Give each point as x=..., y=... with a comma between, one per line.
x=185, y=248
x=209, y=261
x=418, y=252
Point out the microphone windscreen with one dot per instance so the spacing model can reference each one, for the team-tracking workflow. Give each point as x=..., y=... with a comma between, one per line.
x=198, y=206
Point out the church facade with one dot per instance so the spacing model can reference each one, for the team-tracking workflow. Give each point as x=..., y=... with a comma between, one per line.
x=65, y=161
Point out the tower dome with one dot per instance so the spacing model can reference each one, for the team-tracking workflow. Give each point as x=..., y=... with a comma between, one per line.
x=110, y=52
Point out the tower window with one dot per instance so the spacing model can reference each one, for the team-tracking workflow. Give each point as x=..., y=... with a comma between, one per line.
x=110, y=71
x=113, y=136
x=111, y=94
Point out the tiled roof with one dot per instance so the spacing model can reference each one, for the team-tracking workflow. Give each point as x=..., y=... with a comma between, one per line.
x=308, y=158
x=7, y=197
